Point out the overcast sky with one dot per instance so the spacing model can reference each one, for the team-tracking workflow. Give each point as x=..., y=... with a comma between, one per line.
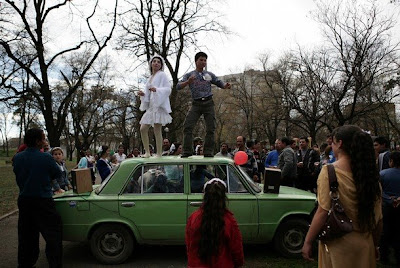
x=262, y=25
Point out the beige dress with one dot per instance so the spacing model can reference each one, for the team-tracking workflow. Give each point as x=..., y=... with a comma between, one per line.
x=355, y=249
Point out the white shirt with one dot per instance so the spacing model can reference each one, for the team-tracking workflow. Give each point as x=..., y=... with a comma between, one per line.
x=121, y=157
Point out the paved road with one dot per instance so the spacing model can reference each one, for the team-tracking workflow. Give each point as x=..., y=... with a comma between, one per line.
x=77, y=254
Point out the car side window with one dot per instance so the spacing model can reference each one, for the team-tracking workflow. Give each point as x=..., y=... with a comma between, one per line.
x=156, y=179
x=200, y=174
x=235, y=185
x=175, y=180
x=133, y=186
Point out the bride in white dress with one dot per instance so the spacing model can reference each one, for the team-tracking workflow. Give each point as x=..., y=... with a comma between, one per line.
x=155, y=101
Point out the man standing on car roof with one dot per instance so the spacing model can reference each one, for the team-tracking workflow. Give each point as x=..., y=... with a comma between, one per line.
x=199, y=82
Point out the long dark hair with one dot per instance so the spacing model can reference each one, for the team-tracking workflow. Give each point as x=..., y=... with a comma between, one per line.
x=212, y=223
x=103, y=151
x=359, y=146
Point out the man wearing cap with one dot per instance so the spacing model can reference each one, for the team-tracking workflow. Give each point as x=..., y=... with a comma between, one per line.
x=199, y=82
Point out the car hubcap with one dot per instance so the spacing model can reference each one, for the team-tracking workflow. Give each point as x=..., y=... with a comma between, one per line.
x=112, y=244
x=294, y=240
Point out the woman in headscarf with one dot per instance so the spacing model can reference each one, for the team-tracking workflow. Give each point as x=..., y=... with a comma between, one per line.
x=155, y=101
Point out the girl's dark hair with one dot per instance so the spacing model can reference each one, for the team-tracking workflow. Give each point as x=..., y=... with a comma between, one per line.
x=103, y=151
x=327, y=150
x=212, y=223
x=176, y=144
x=395, y=157
x=82, y=153
x=32, y=136
x=359, y=146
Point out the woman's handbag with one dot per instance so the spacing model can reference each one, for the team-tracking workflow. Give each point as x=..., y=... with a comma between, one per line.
x=337, y=224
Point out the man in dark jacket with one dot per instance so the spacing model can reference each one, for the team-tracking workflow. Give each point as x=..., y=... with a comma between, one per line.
x=307, y=158
x=381, y=146
x=287, y=162
x=35, y=171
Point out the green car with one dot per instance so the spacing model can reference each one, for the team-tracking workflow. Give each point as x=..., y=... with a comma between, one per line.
x=148, y=200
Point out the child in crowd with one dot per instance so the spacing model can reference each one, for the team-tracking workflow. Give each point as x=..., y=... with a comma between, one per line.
x=114, y=162
x=58, y=156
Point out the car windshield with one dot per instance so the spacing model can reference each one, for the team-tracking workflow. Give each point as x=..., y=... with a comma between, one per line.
x=98, y=189
x=250, y=180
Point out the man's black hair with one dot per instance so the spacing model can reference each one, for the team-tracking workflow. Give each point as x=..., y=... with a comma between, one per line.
x=382, y=140
x=250, y=144
x=32, y=136
x=200, y=54
x=286, y=141
x=304, y=138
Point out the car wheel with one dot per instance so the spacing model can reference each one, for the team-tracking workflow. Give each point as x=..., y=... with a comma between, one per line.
x=111, y=244
x=290, y=236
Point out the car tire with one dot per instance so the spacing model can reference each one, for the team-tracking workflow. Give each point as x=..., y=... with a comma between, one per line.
x=111, y=244
x=290, y=236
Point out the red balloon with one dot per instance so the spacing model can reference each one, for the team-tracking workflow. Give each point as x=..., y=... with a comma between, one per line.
x=240, y=158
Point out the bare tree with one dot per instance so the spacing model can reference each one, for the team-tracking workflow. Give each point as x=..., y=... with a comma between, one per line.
x=310, y=95
x=27, y=42
x=5, y=128
x=359, y=36
x=170, y=29
x=126, y=118
x=246, y=94
x=91, y=111
x=270, y=112
x=285, y=78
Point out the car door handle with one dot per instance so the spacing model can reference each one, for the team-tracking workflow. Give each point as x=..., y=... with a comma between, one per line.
x=196, y=204
x=128, y=204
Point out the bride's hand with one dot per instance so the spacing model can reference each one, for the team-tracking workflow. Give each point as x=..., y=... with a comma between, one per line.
x=153, y=89
x=141, y=93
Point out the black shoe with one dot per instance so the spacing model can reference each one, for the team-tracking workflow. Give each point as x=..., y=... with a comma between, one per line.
x=184, y=155
x=208, y=155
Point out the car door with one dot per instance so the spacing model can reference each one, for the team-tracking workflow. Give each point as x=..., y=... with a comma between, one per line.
x=154, y=200
x=241, y=202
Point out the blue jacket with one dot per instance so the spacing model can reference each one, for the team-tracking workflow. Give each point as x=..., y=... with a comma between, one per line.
x=35, y=172
x=272, y=159
x=390, y=181
x=104, y=168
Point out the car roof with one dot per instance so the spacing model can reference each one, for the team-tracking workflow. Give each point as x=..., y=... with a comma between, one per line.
x=177, y=159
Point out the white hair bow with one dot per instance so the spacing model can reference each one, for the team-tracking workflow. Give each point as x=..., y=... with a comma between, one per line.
x=212, y=181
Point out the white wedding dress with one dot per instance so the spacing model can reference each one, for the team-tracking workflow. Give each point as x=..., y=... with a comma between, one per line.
x=156, y=104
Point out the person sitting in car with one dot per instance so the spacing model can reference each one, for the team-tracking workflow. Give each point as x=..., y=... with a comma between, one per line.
x=160, y=184
x=198, y=178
